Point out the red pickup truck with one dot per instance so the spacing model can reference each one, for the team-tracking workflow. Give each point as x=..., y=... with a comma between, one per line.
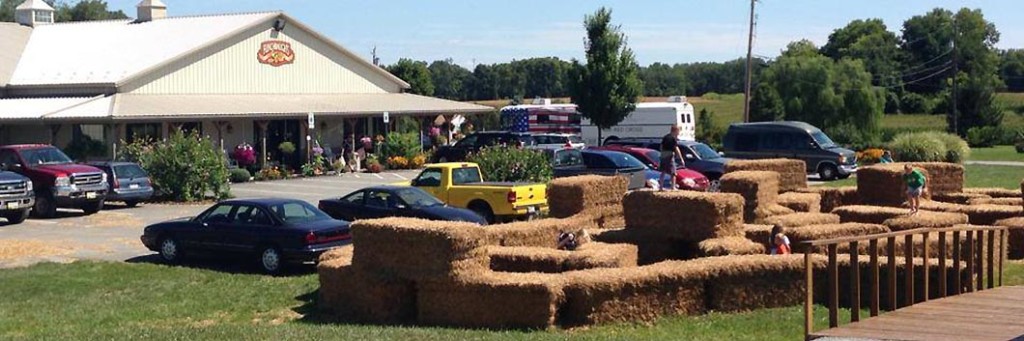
x=57, y=181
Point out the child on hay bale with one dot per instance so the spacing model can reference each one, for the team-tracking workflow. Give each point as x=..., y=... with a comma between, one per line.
x=778, y=241
x=567, y=241
x=886, y=157
x=917, y=185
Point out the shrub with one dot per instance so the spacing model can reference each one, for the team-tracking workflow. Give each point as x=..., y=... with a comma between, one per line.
x=512, y=164
x=183, y=167
x=404, y=145
x=985, y=136
x=239, y=175
x=870, y=155
x=398, y=162
x=917, y=147
x=855, y=138
x=245, y=155
x=418, y=161
x=286, y=148
x=957, y=149
x=270, y=173
x=914, y=103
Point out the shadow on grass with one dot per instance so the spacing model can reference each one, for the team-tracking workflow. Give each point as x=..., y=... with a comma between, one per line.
x=226, y=264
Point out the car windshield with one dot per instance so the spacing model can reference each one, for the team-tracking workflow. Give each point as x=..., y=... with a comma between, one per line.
x=567, y=157
x=466, y=175
x=575, y=139
x=298, y=212
x=45, y=156
x=623, y=161
x=653, y=155
x=823, y=141
x=705, y=152
x=129, y=172
x=417, y=198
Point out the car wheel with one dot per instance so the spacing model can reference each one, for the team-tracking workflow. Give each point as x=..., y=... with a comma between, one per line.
x=45, y=206
x=131, y=203
x=482, y=209
x=828, y=172
x=170, y=251
x=93, y=207
x=270, y=260
x=17, y=217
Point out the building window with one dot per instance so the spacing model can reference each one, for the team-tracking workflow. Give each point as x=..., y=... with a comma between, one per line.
x=145, y=131
x=44, y=16
x=94, y=132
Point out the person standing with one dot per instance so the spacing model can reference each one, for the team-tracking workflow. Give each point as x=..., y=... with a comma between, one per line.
x=669, y=153
x=917, y=185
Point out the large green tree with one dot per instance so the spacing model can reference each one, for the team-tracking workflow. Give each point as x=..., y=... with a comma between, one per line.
x=607, y=87
x=872, y=43
x=416, y=74
x=927, y=44
x=1011, y=69
x=663, y=79
x=450, y=80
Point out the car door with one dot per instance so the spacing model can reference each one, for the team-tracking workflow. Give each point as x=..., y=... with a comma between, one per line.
x=430, y=181
x=207, y=234
x=245, y=232
x=349, y=207
x=380, y=204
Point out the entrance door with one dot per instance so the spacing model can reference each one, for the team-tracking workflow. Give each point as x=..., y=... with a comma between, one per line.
x=278, y=132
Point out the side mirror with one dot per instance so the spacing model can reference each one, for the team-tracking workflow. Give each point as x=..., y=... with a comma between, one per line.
x=721, y=153
x=400, y=206
x=689, y=156
x=414, y=183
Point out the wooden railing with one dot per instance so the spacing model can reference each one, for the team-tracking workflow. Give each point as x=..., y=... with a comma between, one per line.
x=974, y=236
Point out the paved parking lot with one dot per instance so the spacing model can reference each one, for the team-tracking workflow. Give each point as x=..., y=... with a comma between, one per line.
x=113, y=234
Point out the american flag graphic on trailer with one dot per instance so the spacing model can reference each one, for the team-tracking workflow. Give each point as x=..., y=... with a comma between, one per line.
x=563, y=120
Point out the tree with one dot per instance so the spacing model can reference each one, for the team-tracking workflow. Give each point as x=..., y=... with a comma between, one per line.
x=927, y=40
x=1011, y=69
x=766, y=105
x=607, y=87
x=663, y=79
x=707, y=129
x=484, y=83
x=84, y=10
x=872, y=43
x=449, y=79
x=416, y=74
x=978, y=63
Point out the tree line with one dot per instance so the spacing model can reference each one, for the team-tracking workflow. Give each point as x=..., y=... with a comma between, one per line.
x=83, y=10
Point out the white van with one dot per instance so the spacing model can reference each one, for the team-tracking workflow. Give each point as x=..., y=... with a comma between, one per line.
x=649, y=120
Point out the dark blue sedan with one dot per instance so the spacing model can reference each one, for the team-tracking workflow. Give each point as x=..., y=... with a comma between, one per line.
x=395, y=201
x=274, y=232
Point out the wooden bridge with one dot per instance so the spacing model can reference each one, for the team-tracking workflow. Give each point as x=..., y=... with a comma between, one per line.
x=967, y=303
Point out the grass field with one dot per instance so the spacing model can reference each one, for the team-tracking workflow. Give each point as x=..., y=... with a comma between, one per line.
x=997, y=153
x=104, y=301
x=975, y=176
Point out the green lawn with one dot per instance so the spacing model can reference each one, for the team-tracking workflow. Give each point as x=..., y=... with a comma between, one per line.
x=975, y=176
x=997, y=153
x=103, y=301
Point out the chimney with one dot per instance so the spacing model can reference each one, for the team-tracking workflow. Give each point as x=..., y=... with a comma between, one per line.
x=149, y=10
x=33, y=13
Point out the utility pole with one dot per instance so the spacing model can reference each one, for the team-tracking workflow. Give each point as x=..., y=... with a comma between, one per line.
x=956, y=70
x=750, y=46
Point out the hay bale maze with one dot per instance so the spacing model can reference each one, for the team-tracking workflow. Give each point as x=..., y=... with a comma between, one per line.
x=549, y=260
x=572, y=195
x=1015, y=242
x=959, y=198
x=883, y=185
x=792, y=173
x=802, y=219
x=994, y=192
x=684, y=215
x=997, y=201
x=832, y=197
x=801, y=202
x=760, y=191
x=725, y=246
x=868, y=214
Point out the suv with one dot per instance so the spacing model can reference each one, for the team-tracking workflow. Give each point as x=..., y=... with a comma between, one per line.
x=16, y=197
x=128, y=182
x=699, y=157
x=791, y=140
x=473, y=142
x=57, y=181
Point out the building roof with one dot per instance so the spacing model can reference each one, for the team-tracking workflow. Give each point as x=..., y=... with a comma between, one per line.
x=34, y=4
x=36, y=108
x=13, y=38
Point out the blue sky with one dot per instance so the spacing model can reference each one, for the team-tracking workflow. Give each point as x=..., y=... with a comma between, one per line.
x=488, y=31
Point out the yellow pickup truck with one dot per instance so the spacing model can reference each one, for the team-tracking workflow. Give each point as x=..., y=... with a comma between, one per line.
x=460, y=184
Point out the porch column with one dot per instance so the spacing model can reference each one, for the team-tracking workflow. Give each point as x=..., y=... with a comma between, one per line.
x=262, y=125
x=221, y=125
x=54, y=130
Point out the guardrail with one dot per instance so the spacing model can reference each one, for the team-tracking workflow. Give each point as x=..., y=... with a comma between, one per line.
x=974, y=236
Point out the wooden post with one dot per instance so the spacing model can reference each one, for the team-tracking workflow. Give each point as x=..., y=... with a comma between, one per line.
x=1002, y=252
x=990, y=271
x=956, y=263
x=808, y=295
x=924, y=258
x=891, y=251
x=54, y=130
x=833, y=287
x=908, y=278
x=979, y=267
x=970, y=261
x=873, y=250
x=942, y=265
x=263, y=125
x=854, y=282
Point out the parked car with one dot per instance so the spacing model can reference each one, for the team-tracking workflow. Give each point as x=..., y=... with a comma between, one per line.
x=791, y=140
x=16, y=197
x=461, y=185
x=395, y=201
x=699, y=156
x=128, y=182
x=56, y=180
x=274, y=232
x=472, y=143
x=686, y=178
x=558, y=141
x=604, y=162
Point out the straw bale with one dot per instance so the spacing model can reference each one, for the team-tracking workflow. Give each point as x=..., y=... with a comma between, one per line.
x=636, y=294
x=759, y=234
x=763, y=212
x=588, y=256
x=537, y=233
x=802, y=219
x=737, y=283
x=605, y=216
x=958, y=198
x=684, y=215
x=925, y=219
x=801, y=202
x=797, y=235
x=882, y=184
x=350, y=295
x=989, y=214
x=651, y=248
x=336, y=253
x=997, y=201
x=868, y=214
x=938, y=206
x=994, y=192
x=571, y=195
x=726, y=246
x=832, y=197
x=415, y=249
x=792, y=173
x=1015, y=244
x=759, y=190
x=498, y=300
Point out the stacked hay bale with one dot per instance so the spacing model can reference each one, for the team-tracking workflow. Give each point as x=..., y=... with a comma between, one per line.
x=356, y=296
x=832, y=197
x=725, y=246
x=801, y=202
x=997, y=201
x=497, y=300
x=760, y=190
x=994, y=192
x=925, y=219
x=1015, y=237
x=792, y=173
x=802, y=219
x=536, y=233
x=868, y=214
x=800, y=234
x=759, y=234
x=883, y=184
x=549, y=260
x=739, y=283
x=959, y=198
x=594, y=197
x=984, y=214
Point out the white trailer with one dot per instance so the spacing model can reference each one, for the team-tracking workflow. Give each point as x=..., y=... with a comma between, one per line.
x=649, y=120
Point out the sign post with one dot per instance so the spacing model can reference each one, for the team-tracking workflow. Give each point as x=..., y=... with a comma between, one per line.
x=311, y=121
x=387, y=120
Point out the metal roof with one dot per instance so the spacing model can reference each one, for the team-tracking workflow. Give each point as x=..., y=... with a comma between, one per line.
x=13, y=38
x=36, y=108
